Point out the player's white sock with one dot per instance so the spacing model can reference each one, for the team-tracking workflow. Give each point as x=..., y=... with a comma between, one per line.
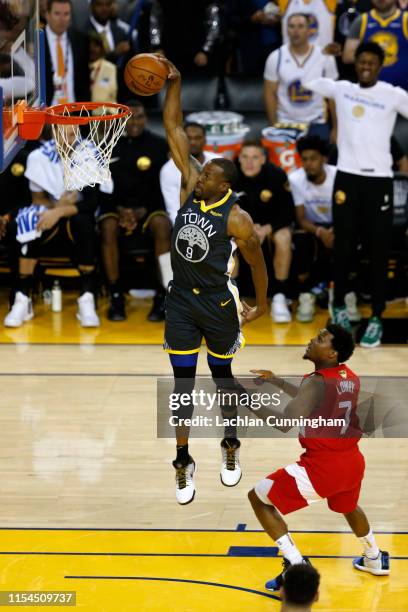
x=165, y=269
x=371, y=549
x=288, y=549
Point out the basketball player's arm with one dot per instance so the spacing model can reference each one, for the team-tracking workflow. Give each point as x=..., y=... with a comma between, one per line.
x=241, y=227
x=271, y=100
x=176, y=137
x=308, y=397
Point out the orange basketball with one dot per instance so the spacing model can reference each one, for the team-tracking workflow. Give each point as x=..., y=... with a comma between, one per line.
x=145, y=75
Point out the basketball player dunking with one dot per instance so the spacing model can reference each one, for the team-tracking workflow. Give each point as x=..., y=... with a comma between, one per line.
x=202, y=301
x=332, y=466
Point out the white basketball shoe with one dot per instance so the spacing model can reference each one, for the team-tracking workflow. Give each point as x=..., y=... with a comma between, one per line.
x=86, y=311
x=230, y=472
x=185, y=486
x=21, y=311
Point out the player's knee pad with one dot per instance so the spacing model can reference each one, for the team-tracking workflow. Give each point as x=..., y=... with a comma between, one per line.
x=262, y=489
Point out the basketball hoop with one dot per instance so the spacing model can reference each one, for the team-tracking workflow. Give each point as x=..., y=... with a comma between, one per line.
x=85, y=134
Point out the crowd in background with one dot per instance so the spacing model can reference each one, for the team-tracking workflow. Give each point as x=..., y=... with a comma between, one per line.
x=87, y=45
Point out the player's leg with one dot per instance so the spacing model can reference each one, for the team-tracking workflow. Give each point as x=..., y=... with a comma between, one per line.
x=282, y=242
x=218, y=314
x=374, y=560
x=109, y=228
x=159, y=226
x=345, y=223
x=305, y=249
x=228, y=391
x=378, y=215
x=282, y=493
x=21, y=309
x=80, y=230
x=182, y=340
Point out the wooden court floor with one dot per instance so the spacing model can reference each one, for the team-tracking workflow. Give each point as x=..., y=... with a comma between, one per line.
x=87, y=497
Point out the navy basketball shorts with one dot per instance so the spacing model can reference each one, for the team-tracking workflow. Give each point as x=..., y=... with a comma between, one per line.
x=212, y=314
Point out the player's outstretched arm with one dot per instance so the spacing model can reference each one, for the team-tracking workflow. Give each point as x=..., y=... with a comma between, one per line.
x=176, y=137
x=284, y=385
x=241, y=227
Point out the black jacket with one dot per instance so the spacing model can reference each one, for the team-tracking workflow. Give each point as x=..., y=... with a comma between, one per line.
x=119, y=35
x=80, y=52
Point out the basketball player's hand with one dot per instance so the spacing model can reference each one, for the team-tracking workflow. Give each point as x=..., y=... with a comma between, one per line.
x=333, y=48
x=48, y=219
x=173, y=74
x=264, y=374
x=250, y=313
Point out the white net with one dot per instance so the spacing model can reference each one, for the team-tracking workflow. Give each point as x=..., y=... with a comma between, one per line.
x=86, y=150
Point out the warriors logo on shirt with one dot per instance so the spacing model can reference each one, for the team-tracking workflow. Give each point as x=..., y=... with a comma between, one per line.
x=192, y=243
x=313, y=26
x=389, y=43
x=298, y=94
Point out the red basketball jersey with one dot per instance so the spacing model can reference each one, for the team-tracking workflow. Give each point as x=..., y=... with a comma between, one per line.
x=341, y=389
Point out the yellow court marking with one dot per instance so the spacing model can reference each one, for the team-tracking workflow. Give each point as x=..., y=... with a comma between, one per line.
x=63, y=327
x=192, y=570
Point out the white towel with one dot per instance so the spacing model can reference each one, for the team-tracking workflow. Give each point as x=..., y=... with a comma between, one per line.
x=27, y=220
x=44, y=168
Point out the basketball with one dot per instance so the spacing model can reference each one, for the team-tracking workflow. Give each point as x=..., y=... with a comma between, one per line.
x=145, y=75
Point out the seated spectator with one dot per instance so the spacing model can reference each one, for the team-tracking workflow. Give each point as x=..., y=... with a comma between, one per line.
x=300, y=588
x=187, y=32
x=136, y=207
x=254, y=32
x=57, y=217
x=104, y=85
x=320, y=15
x=386, y=25
x=286, y=100
x=312, y=190
x=114, y=38
x=265, y=194
x=170, y=176
x=66, y=57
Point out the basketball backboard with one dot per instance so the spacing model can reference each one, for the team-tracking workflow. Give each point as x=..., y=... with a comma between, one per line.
x=21, y=69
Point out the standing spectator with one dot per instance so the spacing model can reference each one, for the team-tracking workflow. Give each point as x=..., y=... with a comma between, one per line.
x=65, y=218
x=320, y=15
x=286, y=100
x=66, y=57
x=114, y=38
x=265, y=194
x=187, y=32
x=170, y=175
x=386, y=25
x=137, y=207
x=104, y=85
x=254, y=31
x=363, y=189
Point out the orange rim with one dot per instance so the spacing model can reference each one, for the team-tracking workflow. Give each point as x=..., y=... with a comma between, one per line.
x=55, y=114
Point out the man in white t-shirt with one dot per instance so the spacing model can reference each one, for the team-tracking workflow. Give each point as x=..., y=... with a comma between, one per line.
x=363, y=189
x=286, y=100
x=170, y=176
x=312, y=191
